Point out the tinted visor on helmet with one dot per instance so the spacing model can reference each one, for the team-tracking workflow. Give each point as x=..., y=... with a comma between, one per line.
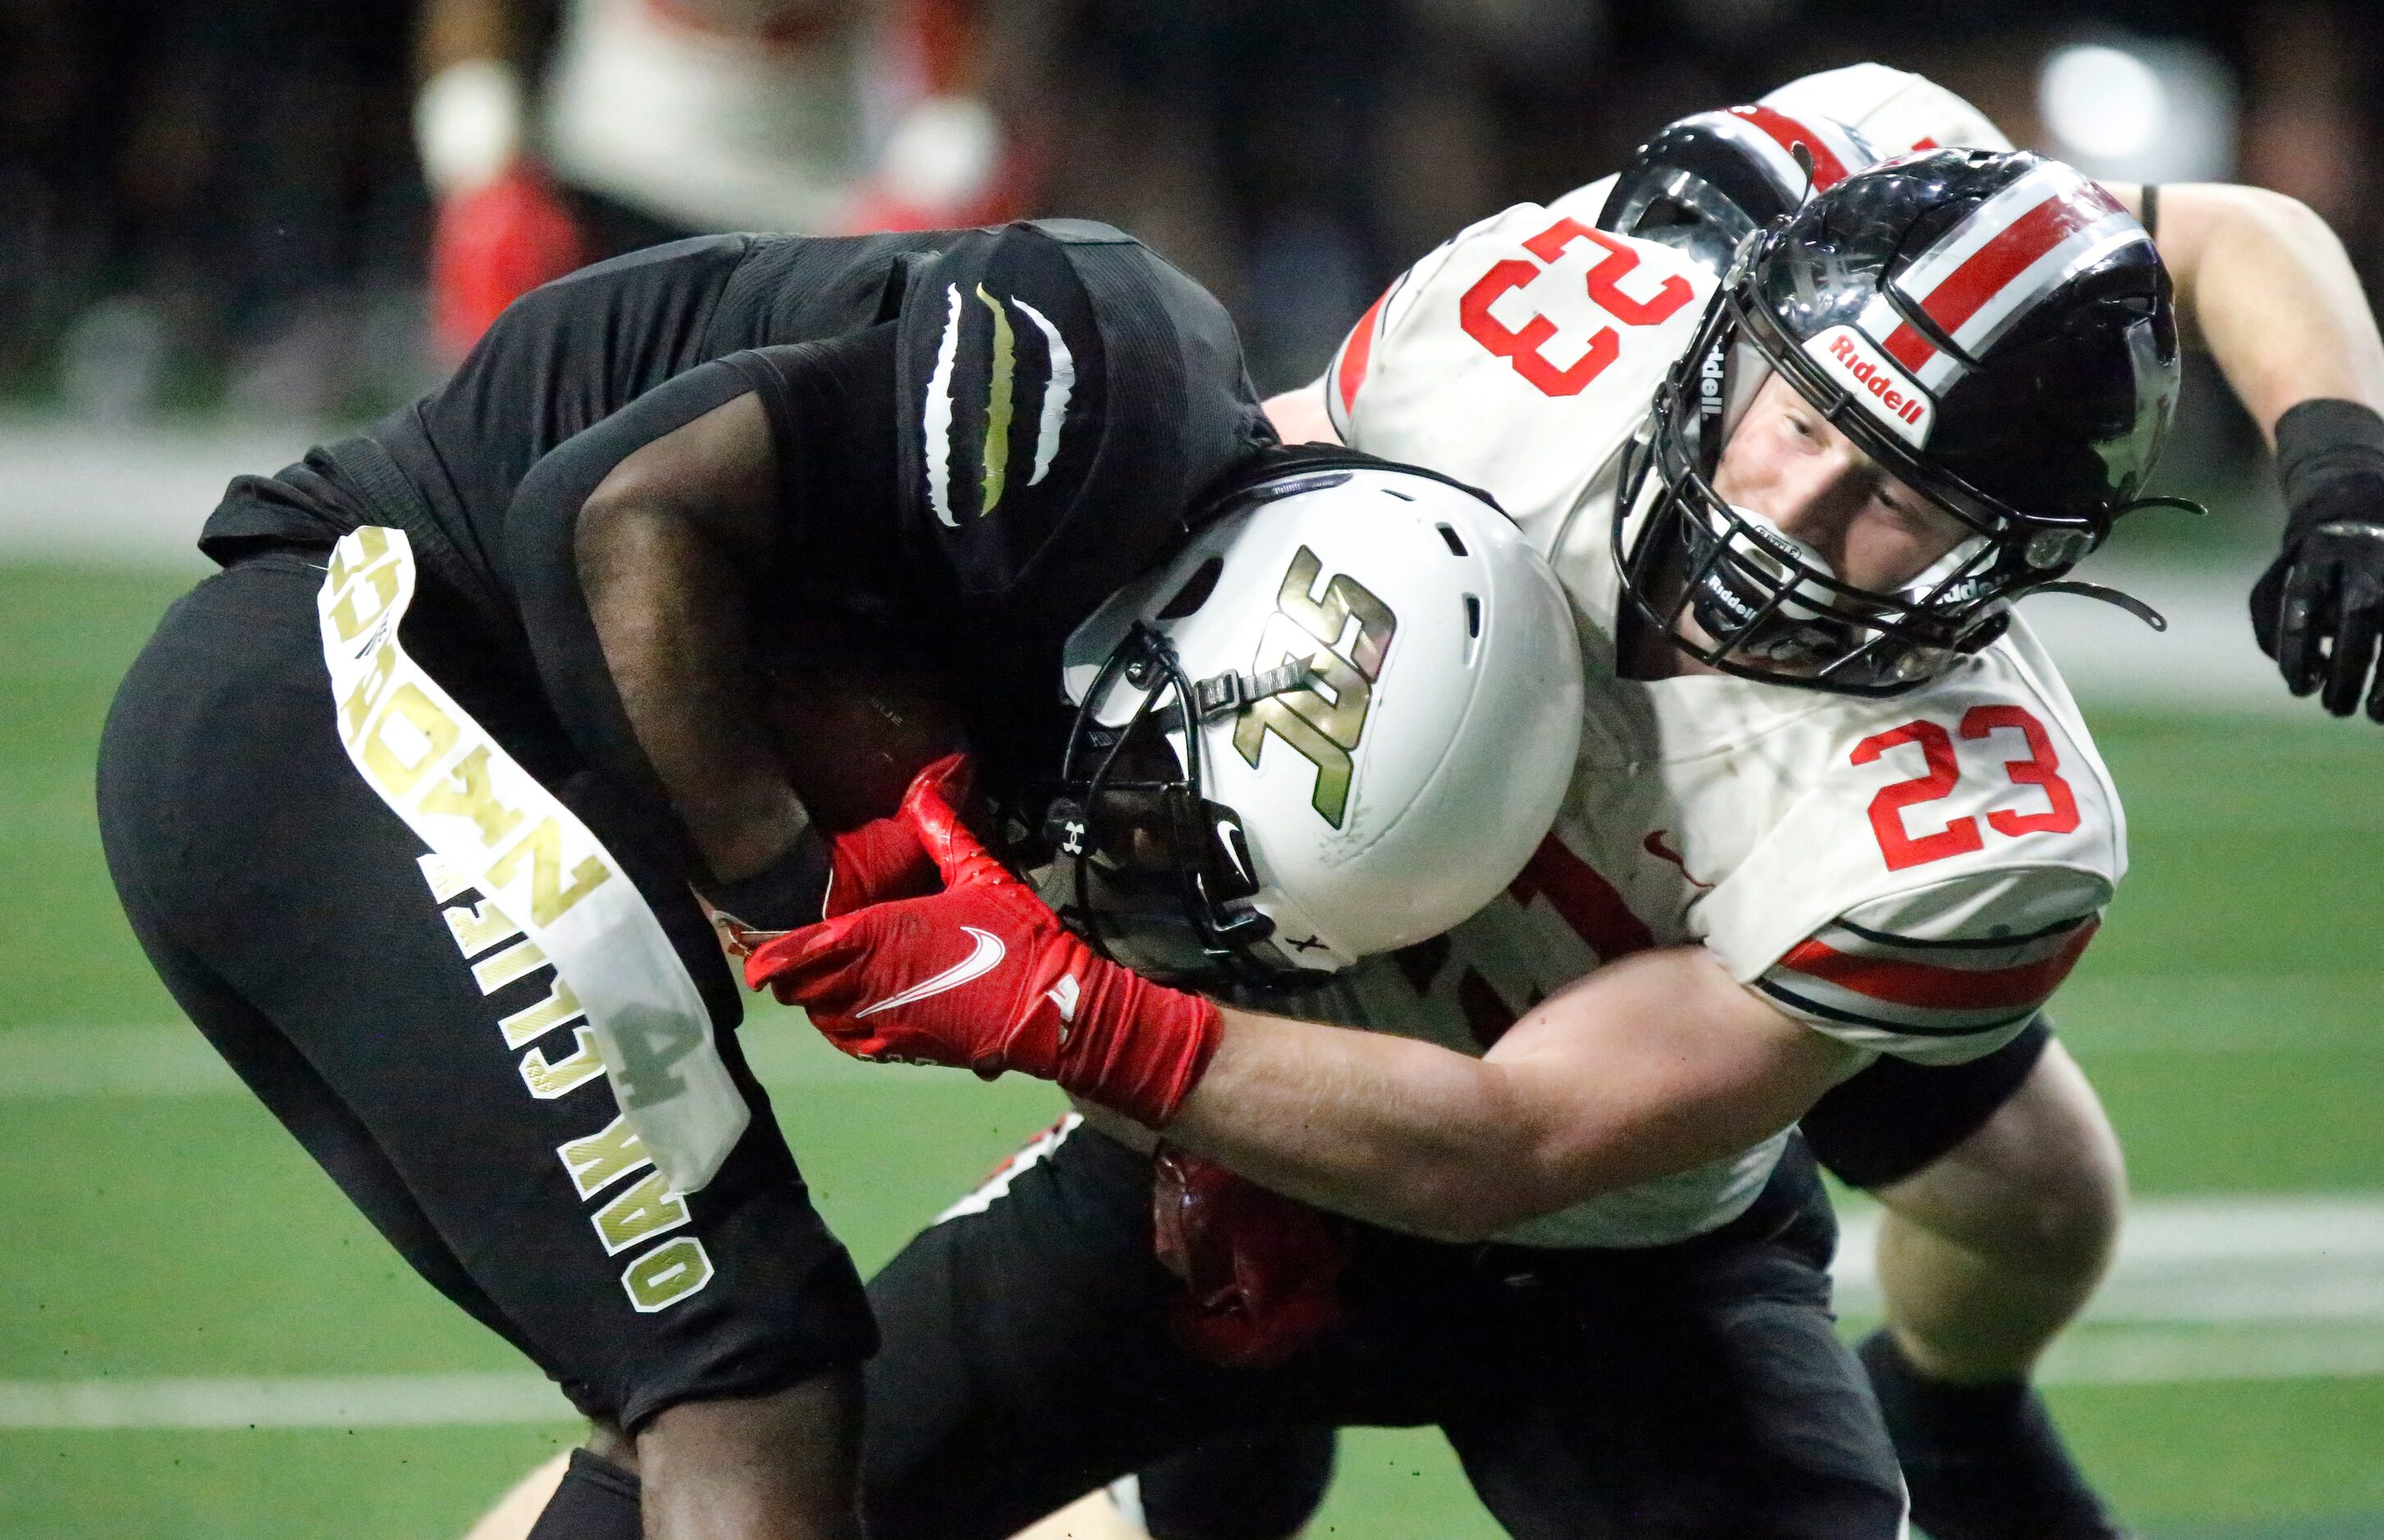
x=1146, y=869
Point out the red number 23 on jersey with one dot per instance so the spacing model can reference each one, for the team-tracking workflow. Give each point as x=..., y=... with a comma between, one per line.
x=2041, y=768
x=1520, y=346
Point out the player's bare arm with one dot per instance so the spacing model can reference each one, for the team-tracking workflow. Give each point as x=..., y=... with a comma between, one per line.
x=1299, y=416
x=661, y=545
x=1651, y=1066
x=1654, y=1064
x=2263, y=285
x=2272, y=295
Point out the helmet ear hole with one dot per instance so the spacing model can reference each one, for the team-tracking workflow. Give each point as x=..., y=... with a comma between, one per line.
x=1196, y=591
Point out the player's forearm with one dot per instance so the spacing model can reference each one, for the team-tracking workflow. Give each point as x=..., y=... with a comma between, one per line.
x=1654, y=1064
x=1397, y=1133
x=666, y=605
x=2269, y=289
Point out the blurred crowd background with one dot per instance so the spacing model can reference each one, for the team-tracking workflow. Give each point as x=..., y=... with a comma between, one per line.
x=238, y=205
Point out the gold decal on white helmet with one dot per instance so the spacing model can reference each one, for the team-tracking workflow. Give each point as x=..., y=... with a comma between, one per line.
x=1322, y=729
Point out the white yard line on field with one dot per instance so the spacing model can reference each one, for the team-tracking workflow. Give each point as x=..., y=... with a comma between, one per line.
x=2205, y=1290
x=296, y=1401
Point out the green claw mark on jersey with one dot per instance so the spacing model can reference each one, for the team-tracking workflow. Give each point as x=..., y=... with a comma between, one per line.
x=998, y=404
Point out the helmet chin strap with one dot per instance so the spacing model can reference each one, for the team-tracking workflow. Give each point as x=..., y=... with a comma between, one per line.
x=2127, y=602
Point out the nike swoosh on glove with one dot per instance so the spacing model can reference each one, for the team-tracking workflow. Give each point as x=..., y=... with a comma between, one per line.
x=982, y=977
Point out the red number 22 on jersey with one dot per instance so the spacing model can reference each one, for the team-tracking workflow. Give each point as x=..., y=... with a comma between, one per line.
x=1521, y=345
x=2041, y=768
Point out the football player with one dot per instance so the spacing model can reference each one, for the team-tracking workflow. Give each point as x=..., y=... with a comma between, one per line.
x=1832, y=803
x=656, y=120
x=405, y=804
x=2001, y=1177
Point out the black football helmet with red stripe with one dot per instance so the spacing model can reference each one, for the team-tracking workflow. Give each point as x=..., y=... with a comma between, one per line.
x=1705, y=181
x=1995, y=330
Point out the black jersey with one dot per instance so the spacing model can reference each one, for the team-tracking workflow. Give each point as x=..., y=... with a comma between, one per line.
x=980, y=434
x=1049, y=399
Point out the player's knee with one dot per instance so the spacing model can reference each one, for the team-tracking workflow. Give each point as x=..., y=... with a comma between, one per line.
x=2038, y=1188
x=2075, y=1179
x=2047, y=1173
x=798, y=1449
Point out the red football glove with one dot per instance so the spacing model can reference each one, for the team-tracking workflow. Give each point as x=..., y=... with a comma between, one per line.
x=1261, y=1272
x=492, y=245
x=982, y=977
x=881, y=860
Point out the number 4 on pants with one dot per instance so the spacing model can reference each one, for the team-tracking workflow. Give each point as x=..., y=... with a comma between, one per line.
x=2041, y=768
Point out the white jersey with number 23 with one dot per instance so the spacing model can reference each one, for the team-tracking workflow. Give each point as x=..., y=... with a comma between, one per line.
x=1912, y=875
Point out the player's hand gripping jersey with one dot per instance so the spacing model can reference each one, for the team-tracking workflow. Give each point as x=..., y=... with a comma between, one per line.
x=1912, y=875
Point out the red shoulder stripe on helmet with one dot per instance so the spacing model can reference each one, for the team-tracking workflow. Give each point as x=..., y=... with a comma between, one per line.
x=1830, y=166
x=1585, y=902
x=1356, y=352
x=1908, y=347
x=2012, y=251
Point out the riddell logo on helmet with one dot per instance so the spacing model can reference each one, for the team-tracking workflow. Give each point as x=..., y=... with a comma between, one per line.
x=1902, y=407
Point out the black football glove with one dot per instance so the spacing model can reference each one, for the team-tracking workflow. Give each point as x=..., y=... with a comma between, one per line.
x=2319, y=608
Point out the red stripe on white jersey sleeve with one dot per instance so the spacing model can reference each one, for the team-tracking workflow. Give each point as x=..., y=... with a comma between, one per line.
x=1357, y=351
x=1355, y=357
x=1944, y=973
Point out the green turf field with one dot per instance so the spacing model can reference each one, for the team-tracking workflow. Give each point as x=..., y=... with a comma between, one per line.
x=2232, y=1013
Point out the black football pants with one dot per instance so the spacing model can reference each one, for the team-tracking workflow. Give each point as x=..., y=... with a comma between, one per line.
x=1687, y=1390
x=411, y=1046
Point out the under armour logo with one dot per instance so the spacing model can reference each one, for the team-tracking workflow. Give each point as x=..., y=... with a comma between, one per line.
x=1312, y=943
x=1072, y=838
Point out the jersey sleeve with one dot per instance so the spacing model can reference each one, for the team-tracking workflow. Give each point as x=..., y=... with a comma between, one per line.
x=1895, y=109
x=1067, y=398
x=1943, y=973
x=1345, y=377
x=1933, y=868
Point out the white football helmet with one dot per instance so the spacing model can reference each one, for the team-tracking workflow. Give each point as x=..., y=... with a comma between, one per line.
x=1385, y=695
